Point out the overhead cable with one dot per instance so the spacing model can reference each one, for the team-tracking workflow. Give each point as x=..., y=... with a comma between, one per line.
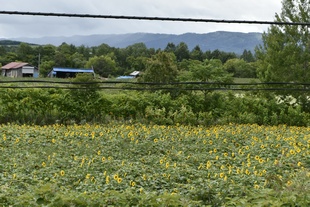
x=148, y=86
x=50, y=14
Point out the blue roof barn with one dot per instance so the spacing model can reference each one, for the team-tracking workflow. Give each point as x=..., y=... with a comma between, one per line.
x=68, y=72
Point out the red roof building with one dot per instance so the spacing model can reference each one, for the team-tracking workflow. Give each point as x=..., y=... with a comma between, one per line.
x=19, y=69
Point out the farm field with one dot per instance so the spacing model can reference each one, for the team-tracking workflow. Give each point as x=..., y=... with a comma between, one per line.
x=154, y=165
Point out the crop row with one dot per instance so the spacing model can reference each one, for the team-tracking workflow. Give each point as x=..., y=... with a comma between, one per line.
x=190, y=165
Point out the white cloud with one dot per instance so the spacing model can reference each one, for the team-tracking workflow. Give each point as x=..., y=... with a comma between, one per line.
x=34, y=26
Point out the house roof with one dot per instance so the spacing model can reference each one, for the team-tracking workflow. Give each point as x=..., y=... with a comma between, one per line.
x=125, y=77
x=135, y=73
x=73, y=70
x=14, y=65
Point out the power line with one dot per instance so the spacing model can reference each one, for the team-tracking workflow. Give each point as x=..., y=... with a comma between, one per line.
x=49, y=14
x=305, y=84
x=150, y=86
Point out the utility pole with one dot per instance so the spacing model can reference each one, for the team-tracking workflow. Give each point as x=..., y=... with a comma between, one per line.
x=39, y=60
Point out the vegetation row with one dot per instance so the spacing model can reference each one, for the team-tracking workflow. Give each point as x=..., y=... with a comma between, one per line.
x=50, y=106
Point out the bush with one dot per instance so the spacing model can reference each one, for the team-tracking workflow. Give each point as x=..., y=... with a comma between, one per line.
x=88, y=104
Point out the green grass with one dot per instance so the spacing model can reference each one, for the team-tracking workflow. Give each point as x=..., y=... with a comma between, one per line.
x=246, y=80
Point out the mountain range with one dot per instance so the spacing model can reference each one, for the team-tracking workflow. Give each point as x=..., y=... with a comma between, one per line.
x=235, y=42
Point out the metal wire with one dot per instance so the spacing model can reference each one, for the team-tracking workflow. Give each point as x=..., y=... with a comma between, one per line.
x=151, y=18
x=153, y=83
x=147, y=86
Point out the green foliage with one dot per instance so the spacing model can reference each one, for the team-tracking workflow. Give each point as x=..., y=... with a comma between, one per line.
x=107, y=61
x=181, y=52
x=87, y=104
x=136, y=63
x=280, y=194
x=103, y=65
x=209, y=71
x=83, y=101
x=247, y=56
x=46, y=67
x=221, y=55
x=9, y=57
x=285, y=54
x=47, y=52
x=161, y=68
x=26, y=53
x=197, y=54
x=240, y=68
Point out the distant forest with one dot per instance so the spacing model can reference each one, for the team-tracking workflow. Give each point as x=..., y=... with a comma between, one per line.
x=111, y=62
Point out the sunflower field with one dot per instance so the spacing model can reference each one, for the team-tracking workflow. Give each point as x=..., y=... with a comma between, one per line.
x=154, y=165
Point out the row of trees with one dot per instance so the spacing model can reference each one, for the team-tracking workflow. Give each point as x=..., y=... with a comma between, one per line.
x=109, y=61
x=284, y=56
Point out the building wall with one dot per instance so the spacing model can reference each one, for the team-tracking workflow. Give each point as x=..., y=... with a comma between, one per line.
x=21, y=72
x=17, y=73
x=28, y=70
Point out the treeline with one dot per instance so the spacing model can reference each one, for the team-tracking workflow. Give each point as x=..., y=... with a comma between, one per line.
x=112, y=62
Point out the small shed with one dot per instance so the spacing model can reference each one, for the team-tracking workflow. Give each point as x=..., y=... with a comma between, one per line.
x=135, y=74
x=68, y=72
x=19, y=69
x=132, y=75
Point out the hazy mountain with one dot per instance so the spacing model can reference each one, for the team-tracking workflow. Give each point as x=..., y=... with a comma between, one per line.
x=225, y=41
x=5, y=42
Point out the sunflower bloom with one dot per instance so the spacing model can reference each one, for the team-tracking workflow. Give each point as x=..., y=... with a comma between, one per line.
x=289, y=183
x=132, y=183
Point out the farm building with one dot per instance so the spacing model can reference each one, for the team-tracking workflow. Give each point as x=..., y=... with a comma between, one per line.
x=68, y=72
x=19, y=69
x=135, y=74
x=132, y=75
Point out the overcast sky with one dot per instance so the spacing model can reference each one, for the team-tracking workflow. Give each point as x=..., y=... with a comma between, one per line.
x=37, y=26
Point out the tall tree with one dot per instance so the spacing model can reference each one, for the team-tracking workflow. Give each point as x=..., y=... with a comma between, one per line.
x=210, y=71
x=85, y=51
x=47, y=52
x=103, y=49
x=25, y=53
x=247, y=56
x=137, y=50
x=181, y=52
x=170, y=47
x=103, y=65
x=196, y=53
x=2, y=50
x=136, y=63
x=46, y=67
x=10, y=57
x=285, y=53
x=161, y=68
x=240, y=68
x=77, y=60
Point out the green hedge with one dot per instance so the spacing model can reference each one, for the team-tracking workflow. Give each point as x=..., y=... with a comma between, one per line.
x=48, y=106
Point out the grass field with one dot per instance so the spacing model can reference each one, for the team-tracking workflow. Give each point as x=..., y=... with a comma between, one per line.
x=140, y=165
